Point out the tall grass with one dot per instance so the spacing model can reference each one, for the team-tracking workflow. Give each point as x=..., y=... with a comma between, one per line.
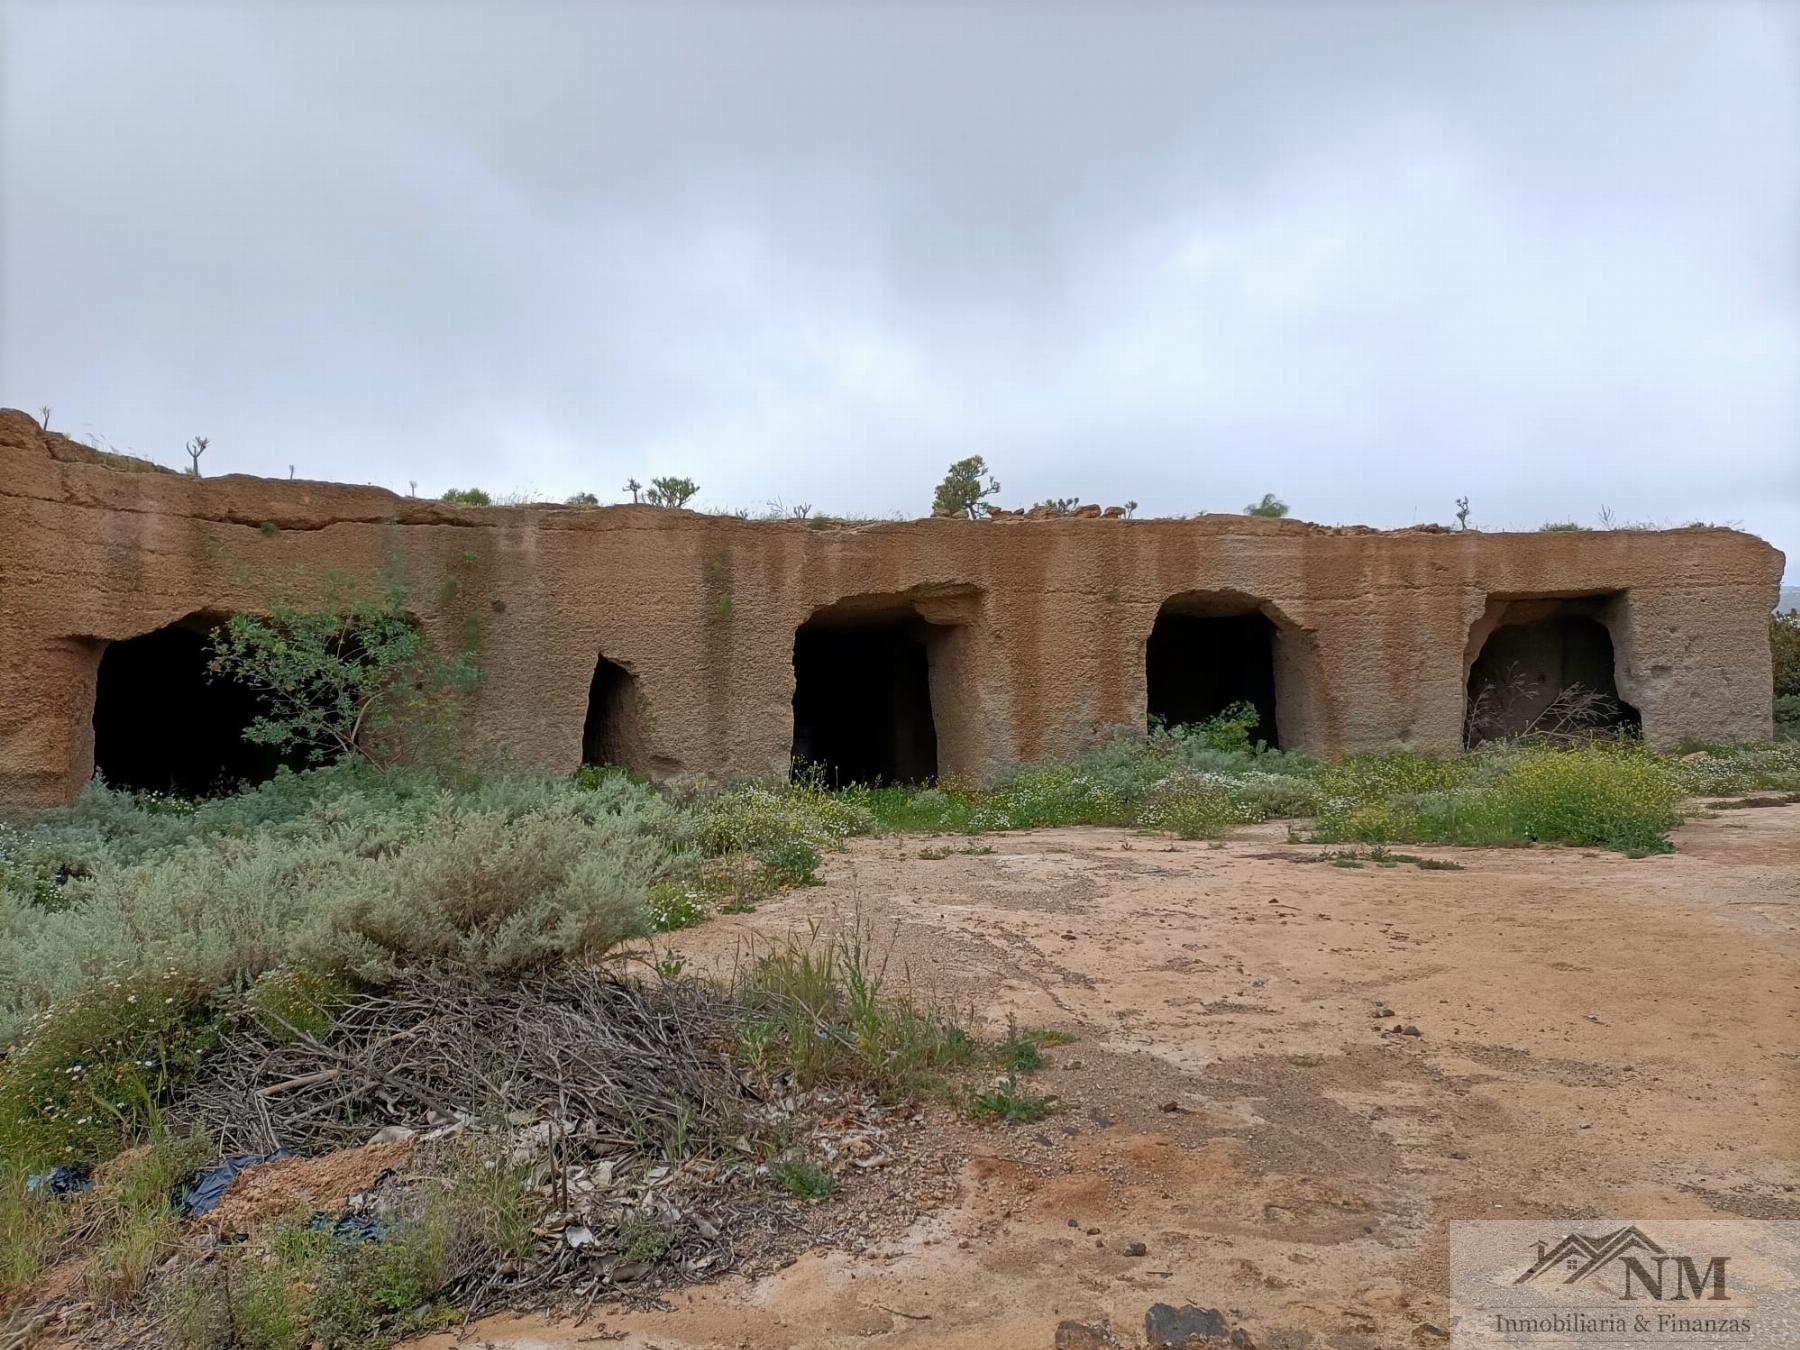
x=1605, y=796
x=821, y=1007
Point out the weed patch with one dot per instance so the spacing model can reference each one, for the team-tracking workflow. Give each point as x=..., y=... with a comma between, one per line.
x=1610, y=797
x=804, y=1178
x=821, y=1002
x=1009, y=1101
x=87, y=1077
x=1020, y=1053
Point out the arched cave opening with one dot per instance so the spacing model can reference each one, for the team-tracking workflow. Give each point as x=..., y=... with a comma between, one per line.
x=163, y=723
x=615, y=731
x=1205, y=654
x=1548, y=674
x=862, y=697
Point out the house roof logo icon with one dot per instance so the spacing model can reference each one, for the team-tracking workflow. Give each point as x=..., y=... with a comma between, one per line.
x=1582, y=1256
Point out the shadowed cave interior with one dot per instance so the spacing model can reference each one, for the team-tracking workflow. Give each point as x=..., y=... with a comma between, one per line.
x=614, y=731
x=862, y=699
x=1549, y=672
x=1197, y=664
x=163, y=724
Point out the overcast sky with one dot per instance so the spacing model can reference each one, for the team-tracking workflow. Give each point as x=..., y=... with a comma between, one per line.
x=1369, y=257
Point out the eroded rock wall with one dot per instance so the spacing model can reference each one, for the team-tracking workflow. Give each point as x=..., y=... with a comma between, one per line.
x=1049, y=618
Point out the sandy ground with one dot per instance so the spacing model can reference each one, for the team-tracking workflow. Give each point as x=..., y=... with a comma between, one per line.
x=1600, y=1036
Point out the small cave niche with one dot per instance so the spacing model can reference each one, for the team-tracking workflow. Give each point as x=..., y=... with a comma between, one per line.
x=1545, y=668
x=164, y=723
x=615, y=731
x=1206, y=653
x=862, y=696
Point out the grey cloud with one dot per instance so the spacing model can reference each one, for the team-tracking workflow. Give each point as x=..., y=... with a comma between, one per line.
x=1369, y=256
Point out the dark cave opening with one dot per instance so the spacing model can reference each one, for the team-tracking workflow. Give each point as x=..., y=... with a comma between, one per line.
x=1550, y=675
x=1198, y=664
x=162, y=723
x=614, y=732
x=862, y=700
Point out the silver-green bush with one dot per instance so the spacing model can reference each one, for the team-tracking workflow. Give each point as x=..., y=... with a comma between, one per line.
x=346, y=878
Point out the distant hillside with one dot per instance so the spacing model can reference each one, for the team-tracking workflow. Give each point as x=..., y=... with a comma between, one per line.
x=1790, y=598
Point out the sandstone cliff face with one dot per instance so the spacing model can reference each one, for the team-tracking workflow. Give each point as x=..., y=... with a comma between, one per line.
x=1035, y=630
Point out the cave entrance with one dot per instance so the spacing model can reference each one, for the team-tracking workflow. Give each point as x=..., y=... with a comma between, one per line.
x=162, y=723
x=862, y=695
x=1544, y=668
x=615, y=731
x=1206, y=653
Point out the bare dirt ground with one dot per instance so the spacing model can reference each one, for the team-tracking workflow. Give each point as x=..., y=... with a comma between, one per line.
x=1599, y=1036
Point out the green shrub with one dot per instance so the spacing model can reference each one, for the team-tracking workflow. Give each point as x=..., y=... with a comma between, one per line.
x=1787, y=716
x=1130, y=780
x=1228, y=730
x=1784, y=648
x=506, y=876
x=1270, y=506
x=804, y=1178
x=755, y=818
x=1020, y=1052
x=1615, y=799
x=1042, y=795
x=673, y=905
x=918, y=810
x=488, y=892
x=1274, y=796
x=963, y=490
x=107, y=825
x=593, y=776
x=374, y=1293
x=644, y=1238
x=125, y=1228
x=114, y=972
x=466, y=497
x=355, y=678
x=308, y=1287
x=671, y=492
x=793, y=862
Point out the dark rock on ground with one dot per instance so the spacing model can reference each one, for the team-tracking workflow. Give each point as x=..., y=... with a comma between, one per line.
x=1071, y=1335
x=1186, y=1325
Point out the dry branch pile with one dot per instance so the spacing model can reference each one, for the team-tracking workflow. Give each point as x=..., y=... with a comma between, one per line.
x=622, y=1062
x=645, y=1151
